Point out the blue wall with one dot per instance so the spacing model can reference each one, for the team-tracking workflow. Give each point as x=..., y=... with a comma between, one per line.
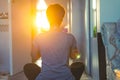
x=109, y=11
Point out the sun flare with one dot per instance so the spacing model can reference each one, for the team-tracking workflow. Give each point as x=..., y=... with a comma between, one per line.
x=41, y=21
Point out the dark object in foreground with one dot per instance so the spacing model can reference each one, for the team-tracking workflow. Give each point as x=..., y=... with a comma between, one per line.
x=31, y=70
x=77, y=69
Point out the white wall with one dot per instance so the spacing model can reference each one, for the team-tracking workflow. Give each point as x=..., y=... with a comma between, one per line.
x=15, y=39
x=21, y=30
x=78, y=25
x=4, y=39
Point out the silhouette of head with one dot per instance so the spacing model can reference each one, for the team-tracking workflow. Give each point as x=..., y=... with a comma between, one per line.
x=55, y=14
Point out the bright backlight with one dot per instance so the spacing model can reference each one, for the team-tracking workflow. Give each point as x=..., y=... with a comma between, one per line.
x=41, y=5
x=41, y=19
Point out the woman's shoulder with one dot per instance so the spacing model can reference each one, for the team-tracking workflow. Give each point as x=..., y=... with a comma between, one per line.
x=69, y=35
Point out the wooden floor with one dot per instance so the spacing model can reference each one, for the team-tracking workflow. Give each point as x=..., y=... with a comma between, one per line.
x=21, y=76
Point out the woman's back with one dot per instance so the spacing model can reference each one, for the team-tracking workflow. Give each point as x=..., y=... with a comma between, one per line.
x=55, y=49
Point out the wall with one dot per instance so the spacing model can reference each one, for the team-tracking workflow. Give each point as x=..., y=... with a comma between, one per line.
x=94, y=67
x=109, y=11
x=15, y=36
x=4, y=39
x=78, y=25
x=21, y=27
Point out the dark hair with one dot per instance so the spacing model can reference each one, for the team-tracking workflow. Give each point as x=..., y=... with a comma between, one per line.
x=55, y=14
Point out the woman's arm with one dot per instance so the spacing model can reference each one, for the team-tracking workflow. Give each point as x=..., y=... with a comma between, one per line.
x=35, y=54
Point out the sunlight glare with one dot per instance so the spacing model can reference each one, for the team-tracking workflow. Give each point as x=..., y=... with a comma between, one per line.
x=41, y=18
x=41, y=5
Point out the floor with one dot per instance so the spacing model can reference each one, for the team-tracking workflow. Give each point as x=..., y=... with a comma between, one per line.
x=21, y=76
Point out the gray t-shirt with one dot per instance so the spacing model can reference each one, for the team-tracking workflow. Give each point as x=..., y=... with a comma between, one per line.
x=55, y=49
